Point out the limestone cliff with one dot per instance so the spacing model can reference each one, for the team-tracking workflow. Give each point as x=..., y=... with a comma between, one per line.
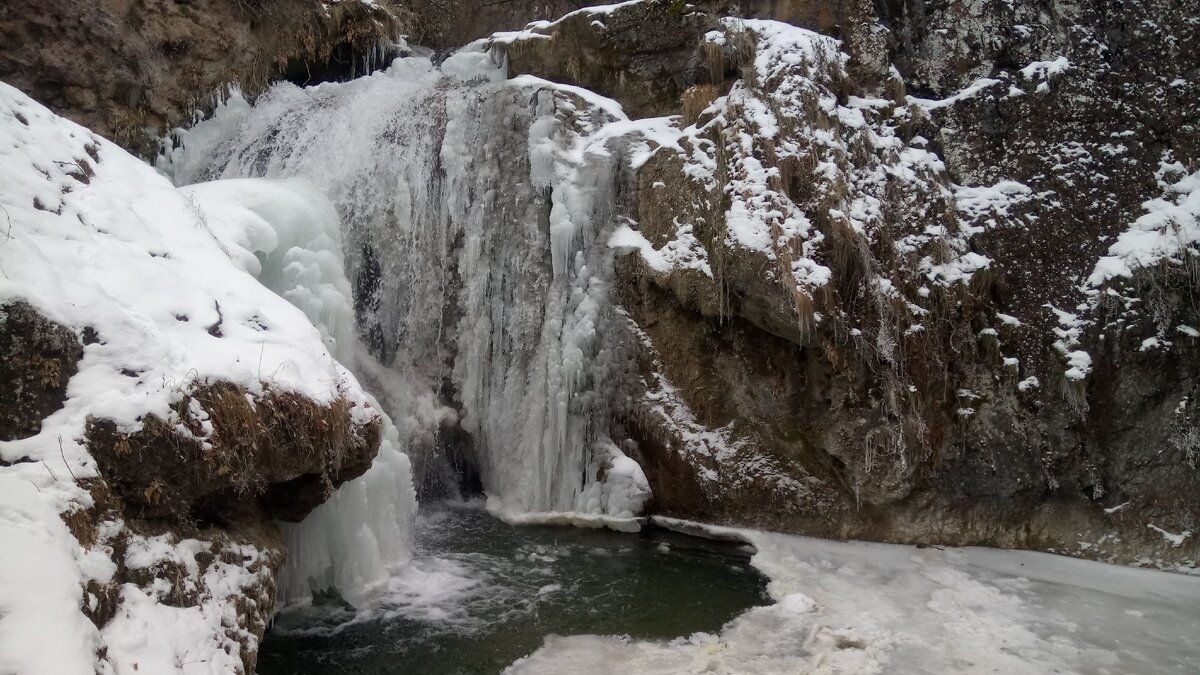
x=875, y=289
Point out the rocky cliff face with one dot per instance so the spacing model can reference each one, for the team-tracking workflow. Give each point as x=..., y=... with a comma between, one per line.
x=133, y=70
x=905, y=286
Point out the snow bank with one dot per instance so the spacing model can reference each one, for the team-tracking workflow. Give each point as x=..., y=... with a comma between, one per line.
x=41, y=583
x=167, y=287
x=149, y=635
x=847, y=607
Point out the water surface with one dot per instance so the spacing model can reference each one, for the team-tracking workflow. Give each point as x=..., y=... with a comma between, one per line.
x=481, y=594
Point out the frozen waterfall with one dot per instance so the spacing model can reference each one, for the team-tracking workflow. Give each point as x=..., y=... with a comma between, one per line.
x=474, y=213
x=354, y=540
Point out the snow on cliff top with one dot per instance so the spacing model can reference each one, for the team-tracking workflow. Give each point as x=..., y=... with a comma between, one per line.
x=1168, y=231
x=94, y=238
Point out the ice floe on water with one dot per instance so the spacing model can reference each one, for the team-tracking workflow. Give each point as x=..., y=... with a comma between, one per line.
x=851, y=607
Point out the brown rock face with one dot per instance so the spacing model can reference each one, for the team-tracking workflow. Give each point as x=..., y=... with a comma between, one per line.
x=897, y=416
x=451, y=23
x=37, y=358
x=281, y=450
x=221, y=477
x=246, y=545
x=133, y=69
x=219, y=474
x=644, y=56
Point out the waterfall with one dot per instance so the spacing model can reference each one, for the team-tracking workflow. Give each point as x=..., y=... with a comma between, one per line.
x=353, y=541
x=474, y=215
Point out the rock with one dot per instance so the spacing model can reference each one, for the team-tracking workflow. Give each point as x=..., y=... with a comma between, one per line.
x=445, y=24
x=644, y=56
x=206, y=490
x=838, y=410
x=234, y=565
x=280, y=449
x=197, y=502
x=37, y=359
x=131, y=71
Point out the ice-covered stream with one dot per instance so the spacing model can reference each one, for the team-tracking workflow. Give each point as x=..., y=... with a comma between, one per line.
x=851, y=607
x=481, y=594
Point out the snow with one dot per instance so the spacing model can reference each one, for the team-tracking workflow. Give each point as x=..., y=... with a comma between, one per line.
x=624, y=491
x=970, y=91
x=849, y=607
x=147, y=274
x=1044, y=70
x=166, y=279
x=1176, y=540
x=760, y=217
x=150, y=635
x=538, y=29
x=989, y=204
x=682, y=252
x=1078, y=362
x=1167, y=233
x=42, y=631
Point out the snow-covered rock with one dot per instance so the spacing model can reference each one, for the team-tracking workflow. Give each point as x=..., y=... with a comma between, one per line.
x=818, y=261
x=138, y=513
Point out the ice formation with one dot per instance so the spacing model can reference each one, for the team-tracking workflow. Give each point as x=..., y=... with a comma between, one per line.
x=477, y=213
x=289, y=237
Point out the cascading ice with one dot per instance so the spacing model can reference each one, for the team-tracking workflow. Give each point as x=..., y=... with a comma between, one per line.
x=354, y=540
x=475, y=214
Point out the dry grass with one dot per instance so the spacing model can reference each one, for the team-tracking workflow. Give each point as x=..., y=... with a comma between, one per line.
x=695, y=100
x=232, y=444
x=1074, y=392
x=714, y=61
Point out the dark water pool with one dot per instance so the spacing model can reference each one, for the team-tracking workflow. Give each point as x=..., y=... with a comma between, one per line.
x=480, y=594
